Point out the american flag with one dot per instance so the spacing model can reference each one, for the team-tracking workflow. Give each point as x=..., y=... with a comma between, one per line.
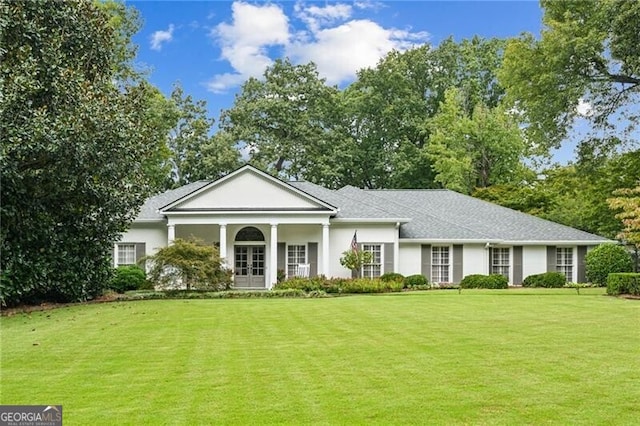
x=354, y=242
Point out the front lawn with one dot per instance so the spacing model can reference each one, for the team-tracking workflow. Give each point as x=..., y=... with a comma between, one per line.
x=438, y=357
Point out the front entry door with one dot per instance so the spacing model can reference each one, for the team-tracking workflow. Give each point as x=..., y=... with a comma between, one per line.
x=249, y=267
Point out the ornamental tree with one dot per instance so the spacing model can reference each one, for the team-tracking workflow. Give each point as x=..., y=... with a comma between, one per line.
x=628, y=200
x=191, y=264
x=354, y=259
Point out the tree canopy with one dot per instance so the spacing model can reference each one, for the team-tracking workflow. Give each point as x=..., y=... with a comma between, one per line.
x=193, y=153
x=585, y=64
x=474, y=150
x=282, y=120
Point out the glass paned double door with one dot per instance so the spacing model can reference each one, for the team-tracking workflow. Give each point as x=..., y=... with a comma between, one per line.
x=249, y=266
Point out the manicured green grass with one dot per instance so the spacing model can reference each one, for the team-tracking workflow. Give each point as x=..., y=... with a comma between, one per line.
x=439, y=357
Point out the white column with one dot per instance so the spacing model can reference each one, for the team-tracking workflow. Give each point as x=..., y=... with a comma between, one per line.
x=115, y=255
x=396, y=249
x=171, y=233
x=223, y=243
x=325, y=250
x=273, y=256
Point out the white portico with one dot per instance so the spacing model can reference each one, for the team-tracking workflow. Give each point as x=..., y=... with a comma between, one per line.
x=260, y=224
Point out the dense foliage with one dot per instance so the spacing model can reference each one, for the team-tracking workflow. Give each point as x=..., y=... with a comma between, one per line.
x=545, y=280
x=624, y=283
x=605, y=259
x=76, y=146
x=492, y=281
x=193, y=153
x=284, y=121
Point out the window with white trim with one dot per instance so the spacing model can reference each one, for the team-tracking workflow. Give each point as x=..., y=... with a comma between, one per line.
x=126, y=254
x=296, y=254
x=440, y=264
x=372, y=269
x=500, y=261
x=564, y=262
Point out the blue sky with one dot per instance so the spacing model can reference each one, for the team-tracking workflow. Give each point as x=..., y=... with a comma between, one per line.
x=211, y=47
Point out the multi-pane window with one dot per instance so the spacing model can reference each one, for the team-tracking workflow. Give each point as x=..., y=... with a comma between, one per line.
x=296, y=254
x=440, y=261
x=372, y=269
x=564, y=262
x=126, y=254
x=500, y=261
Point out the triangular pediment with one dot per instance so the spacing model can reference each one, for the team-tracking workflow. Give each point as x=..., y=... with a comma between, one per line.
x=248, y=189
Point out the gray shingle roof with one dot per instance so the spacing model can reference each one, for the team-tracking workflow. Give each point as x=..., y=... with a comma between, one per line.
x=483, y=218
x=350, y=205
x=431, y=214
x=149, y=210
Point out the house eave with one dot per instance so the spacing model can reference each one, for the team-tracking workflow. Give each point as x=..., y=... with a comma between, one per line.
x=556, y=242
x=370, y=220
x=448, y=241
x=157, y=220
x=504, y=242
x=247, y=211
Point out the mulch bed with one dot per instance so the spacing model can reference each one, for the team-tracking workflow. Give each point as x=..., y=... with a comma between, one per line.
x=27, y=309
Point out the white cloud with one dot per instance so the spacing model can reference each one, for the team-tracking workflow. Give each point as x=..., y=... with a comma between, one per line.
x=160, y=37
x=338, y=44
x=342, y=50
x=368, y=4
x=245, y=40
x=317, y=17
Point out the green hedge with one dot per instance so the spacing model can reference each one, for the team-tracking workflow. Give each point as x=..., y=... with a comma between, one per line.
x=623, y=283
x=416, y=281
x=392, y=276
x=341, y=285
x=546, y=280
x=127, y=278
x=607, y=259
x=493, y=281
x=190, y=294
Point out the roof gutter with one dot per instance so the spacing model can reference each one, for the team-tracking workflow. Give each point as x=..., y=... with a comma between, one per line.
x=489, y=241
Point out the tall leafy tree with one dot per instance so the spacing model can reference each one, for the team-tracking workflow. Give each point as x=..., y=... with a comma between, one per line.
x=187, y=138
x=219, y=156
x=385, y=110
x=588, y=55
x=281, y=120
x=157, y=117
x=74, y=147
x=474, y=150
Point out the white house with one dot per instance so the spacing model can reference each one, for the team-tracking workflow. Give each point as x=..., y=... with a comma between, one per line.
x=262, y=224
